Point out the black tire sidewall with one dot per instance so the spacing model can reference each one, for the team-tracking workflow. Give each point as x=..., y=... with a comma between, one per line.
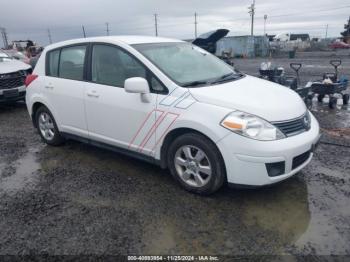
x=58, y=139
x=332, y=102
x=213, y=154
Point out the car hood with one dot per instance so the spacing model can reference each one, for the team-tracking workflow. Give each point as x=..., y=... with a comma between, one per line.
x=12, y=66
x=262, y=98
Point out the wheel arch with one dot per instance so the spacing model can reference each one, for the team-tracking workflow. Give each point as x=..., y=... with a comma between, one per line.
x=172, y=135
x=35, y=106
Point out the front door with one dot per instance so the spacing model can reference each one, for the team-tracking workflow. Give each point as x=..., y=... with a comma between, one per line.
x=114, y=116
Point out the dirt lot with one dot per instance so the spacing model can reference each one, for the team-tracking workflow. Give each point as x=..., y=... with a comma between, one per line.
x=77, y=199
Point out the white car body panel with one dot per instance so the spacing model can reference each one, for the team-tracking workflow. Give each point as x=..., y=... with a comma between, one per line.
x=67, y=97
x=251, y=156
x=251, y=94
x=108, y=112
x=114, y=117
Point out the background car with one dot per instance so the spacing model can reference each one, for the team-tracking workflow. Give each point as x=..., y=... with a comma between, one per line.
x=17, y=55
x=12, y=78
x=339, y=45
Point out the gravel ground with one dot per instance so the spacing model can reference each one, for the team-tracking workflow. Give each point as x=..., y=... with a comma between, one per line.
x=77, y=199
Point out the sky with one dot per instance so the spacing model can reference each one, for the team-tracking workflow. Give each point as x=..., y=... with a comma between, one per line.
x=65, y=18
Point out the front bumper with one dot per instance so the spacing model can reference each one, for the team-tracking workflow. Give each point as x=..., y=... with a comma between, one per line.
x=246, y=159
x=18, y=95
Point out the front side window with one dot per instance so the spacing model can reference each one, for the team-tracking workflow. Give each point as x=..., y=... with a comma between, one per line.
x=112, y=66
x=187, y=65
x=71, y=64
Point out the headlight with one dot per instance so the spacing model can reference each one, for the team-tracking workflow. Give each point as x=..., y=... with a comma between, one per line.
x=251, y=126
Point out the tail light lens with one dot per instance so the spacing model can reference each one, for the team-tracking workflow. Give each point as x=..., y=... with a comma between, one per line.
x=30, y=79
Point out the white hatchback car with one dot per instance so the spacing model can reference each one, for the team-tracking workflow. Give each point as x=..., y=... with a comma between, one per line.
x=174, y=104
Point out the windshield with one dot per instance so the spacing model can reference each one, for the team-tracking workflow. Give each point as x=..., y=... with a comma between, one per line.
x=186, y=64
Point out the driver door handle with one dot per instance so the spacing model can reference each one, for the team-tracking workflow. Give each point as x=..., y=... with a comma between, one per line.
x=92, y=93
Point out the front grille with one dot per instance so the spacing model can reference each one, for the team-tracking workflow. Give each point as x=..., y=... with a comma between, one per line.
x=295, y=126
x=12, y=80
x=300, y=159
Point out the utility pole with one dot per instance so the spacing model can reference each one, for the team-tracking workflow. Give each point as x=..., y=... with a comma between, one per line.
x=156, y=23
x=265, y=18
x=326, y=30
x=107, y=28
x=252, y=13
x=49, y=35
x=195, y=25
x=83, y=31
x=4, y=37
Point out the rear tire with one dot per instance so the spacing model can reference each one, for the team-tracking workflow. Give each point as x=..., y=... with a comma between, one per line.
x=47, y=127
x=196, y=163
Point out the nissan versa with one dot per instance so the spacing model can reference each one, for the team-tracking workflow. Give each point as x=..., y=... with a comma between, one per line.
x=172, y=103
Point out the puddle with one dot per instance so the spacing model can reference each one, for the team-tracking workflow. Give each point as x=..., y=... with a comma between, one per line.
x=299, y=212
x=176, y=222
x=328, y=229
x=24, y=175
x=284, y=212
x=262, y=221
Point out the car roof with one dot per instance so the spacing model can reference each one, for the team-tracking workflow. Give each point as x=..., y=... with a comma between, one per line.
x=127, y=39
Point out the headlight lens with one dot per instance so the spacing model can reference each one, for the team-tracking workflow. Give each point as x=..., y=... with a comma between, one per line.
x=251, y=126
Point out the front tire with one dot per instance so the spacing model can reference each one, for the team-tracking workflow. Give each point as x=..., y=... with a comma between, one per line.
x=196, y=163
x=47, y=127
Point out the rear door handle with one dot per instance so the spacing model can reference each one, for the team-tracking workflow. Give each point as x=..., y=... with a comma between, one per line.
x=92, y=93
x=49, y=86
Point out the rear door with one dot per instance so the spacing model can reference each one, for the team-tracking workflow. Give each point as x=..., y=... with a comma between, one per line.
x=64, y=88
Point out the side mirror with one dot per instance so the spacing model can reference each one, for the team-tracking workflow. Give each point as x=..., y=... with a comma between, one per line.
x=136, y=85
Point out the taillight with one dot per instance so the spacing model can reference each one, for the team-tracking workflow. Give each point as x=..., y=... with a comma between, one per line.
x=30, y=79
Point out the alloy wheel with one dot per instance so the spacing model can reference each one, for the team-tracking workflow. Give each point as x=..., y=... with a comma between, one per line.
x=46, y=126
x=193, y=166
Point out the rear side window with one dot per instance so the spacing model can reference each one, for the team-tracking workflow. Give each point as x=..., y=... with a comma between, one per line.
x=53, y=57
x=71, y=64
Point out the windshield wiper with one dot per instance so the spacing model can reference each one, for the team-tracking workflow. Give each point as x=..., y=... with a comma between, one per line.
x=196, y=83
x=229, y=76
